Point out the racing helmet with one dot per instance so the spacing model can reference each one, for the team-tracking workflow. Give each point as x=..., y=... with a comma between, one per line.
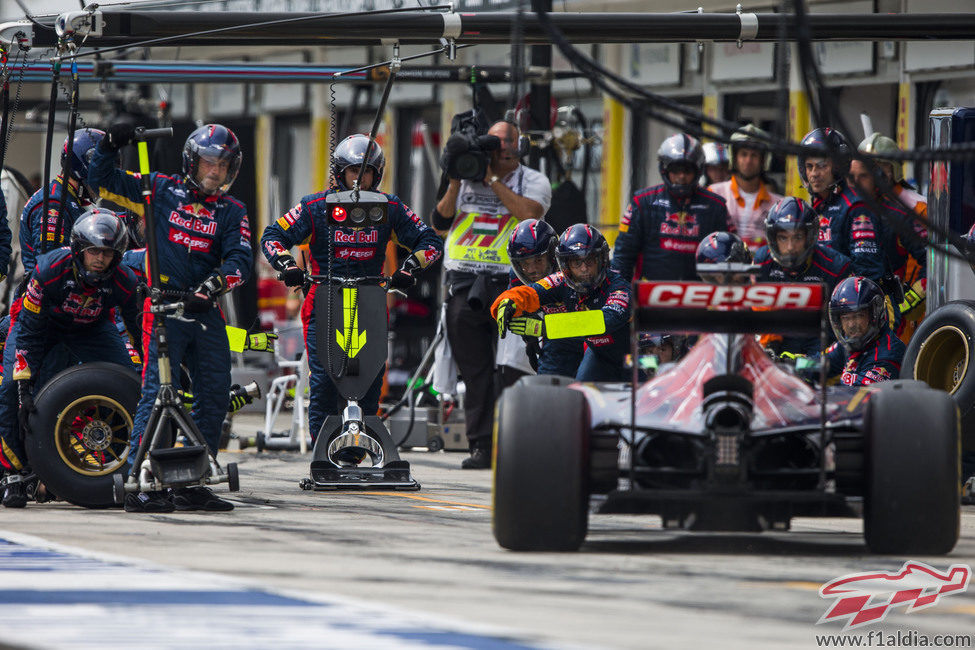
x=792, y=214
x=82, y=148
x=582, y=241
x=216, y=142
x=530, y=240
x=856, y=294
x=721, y=248
x=351, y=152
x=680, y=150
x=751, y=137
x=878, y=145
x=838, y=151
x=715, y=153
x=98, y=228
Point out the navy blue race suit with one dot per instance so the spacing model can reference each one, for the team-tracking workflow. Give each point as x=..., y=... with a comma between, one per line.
x=665, y=234
x=848, y=227
x=557, y=356
x=62, y=322
x=5, y=238
x=605, y=353
x=356, y=252
x=879, y=361
x=31, y=220
x=197, y=236
x=824, y=265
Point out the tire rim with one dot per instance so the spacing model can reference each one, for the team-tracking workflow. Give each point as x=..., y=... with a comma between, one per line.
x=87, y=435
x=942, y=360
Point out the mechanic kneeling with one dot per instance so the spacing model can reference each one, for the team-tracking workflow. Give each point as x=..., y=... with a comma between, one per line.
x=584, y=282
x=531, y=250
x=66, y=318
x=867, y=350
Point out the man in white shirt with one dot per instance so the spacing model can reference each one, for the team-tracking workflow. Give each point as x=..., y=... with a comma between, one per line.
x=747, y=196
x=478, y=217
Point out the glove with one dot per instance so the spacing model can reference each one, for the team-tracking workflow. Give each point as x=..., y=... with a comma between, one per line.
x=117, y=136
x=912, y=300
x=238, y=398
x=197, y=303
x=506, y=311
x=526, y=326
x=403, y=278
x=260, y=342
x=202, y=298
x=791, y=357
x=25, y=395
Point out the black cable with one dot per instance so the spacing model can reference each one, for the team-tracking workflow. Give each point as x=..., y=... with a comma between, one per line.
x=599, y=75
x=231, y=28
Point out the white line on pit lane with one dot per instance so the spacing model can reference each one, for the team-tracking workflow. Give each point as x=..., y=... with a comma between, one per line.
x=55, y=596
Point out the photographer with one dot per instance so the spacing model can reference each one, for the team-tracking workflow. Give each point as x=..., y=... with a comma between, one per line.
x=478, y=213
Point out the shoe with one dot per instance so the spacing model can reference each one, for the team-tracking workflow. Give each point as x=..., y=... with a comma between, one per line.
x=15, y=496
x=480, y=459
x=968, y=492
x=150, y=502
x=200, y=498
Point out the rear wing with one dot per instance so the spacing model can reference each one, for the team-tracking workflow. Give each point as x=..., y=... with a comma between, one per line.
x=797, y=309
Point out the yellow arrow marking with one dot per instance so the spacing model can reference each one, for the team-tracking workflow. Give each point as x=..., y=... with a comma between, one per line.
x=349, y=338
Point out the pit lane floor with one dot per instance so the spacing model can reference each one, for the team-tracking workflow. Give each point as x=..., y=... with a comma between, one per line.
x=295, y=569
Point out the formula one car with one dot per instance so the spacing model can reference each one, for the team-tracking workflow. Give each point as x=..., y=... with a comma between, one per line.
x=727, y=439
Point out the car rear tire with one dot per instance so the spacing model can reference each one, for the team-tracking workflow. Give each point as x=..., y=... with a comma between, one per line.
x=541, y=469
x=911, y=495
x=79, y=436
x=942, y=354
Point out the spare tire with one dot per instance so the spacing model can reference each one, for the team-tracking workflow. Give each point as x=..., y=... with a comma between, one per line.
x=79, y=436
x=942, y=354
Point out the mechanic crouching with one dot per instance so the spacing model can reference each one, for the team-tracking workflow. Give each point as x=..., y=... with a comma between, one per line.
x=866, y=349
x=584, y=282
x=794, y=254
x=66, y=318
x=531, y=250
x=355, y=252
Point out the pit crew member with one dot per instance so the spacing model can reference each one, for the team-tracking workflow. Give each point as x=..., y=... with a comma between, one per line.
x=203, y=239
x=355, y=252
x=531, y=250
x=866, y=350
x=66, y=318
x=845, y=223
x=584, y=281
x=794, y=254
x=747, y=196
x=665, y=223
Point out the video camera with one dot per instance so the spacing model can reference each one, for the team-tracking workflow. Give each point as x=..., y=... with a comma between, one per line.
x=468, y=149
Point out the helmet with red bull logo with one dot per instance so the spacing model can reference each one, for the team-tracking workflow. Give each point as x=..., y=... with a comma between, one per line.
x=532, y=240
x=857, y=295
x=98, y=228
x=351, y=152
x=582, y=242
x=82, y=149
x=213, y=142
